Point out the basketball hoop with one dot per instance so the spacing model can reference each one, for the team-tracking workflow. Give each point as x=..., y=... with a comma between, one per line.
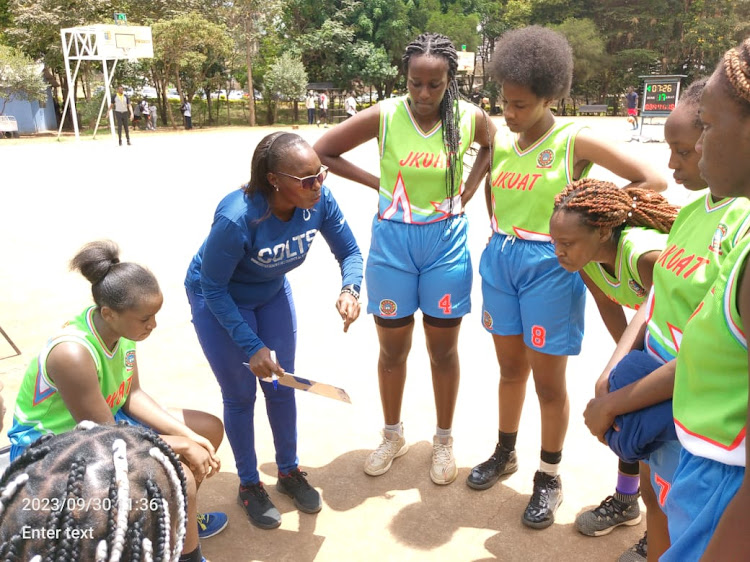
x=129, y=55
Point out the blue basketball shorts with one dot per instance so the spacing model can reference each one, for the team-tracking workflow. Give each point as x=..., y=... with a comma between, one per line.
x=419, y=266
x=662, y=464
x=526, y=291
x=701, y=492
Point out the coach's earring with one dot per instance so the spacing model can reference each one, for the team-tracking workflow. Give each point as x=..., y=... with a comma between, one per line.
x=276, y=187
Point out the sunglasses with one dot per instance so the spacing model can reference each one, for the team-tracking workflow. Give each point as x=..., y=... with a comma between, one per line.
x=308, y=182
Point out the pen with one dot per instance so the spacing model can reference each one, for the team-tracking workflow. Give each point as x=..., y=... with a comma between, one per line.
x=274, y=378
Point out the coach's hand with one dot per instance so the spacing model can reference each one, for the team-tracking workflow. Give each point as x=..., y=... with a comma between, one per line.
x=263, y=366
x=348, y=307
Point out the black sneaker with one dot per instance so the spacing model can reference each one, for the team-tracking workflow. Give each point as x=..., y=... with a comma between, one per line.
x=258, y=506
x=295, y=485
x=547, y=497
x=636, y=553
x=485, y=475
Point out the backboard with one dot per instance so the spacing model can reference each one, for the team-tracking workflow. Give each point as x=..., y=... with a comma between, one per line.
x=124, y=41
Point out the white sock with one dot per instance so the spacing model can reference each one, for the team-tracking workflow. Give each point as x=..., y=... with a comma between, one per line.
x=549, y=468
x=396, y=428
x=443, y=435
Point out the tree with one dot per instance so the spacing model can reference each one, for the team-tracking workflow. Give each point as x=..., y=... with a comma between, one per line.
x=369, y=64
x=459, y=28
x=188, y=46
x=250, y=20
x=20, y=78
x=286, y=79
x=589, y=56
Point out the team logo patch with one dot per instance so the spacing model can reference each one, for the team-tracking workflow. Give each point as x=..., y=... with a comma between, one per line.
x=130, y=360
x=545, y=159
x=487, y=320
x=637, y=289
x=719, y=235
x=388, y=307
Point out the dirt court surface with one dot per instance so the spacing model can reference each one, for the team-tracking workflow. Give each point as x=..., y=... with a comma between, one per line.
x=156, y=200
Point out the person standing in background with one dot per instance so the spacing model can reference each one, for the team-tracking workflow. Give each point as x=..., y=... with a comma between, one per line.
x=632, y=100
x=324, y=109
x=350, y=105
x=187, y=114
x=152, y=111
x=123, y=113
x=310, y=105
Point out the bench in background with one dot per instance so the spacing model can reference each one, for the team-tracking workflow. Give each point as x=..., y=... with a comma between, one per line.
x=592, y=109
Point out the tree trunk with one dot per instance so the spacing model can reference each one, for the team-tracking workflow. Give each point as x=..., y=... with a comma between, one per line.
x=296, y=111
x=209, y=105
x=249, y=60
x=170, y=115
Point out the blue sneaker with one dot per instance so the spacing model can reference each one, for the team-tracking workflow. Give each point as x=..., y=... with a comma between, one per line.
x=210, y=524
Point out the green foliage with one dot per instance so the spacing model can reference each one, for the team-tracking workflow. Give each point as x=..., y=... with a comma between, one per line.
x=20, y=77
x=587, y=43
x=200, y=43
x=287, y=77
x=460, y=28
x=368, y=64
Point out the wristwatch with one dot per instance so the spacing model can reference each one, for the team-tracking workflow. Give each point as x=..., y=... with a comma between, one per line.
x=352, y=290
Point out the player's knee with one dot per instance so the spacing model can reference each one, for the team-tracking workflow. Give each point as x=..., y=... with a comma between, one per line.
x=443, y=356
x=393, y=356
x=192, y=488
x=550, y=392
x=213, y=429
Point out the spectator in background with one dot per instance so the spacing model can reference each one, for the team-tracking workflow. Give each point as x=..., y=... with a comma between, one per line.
x=146, y=115
x=324, y=109
x=123, y=113
x=350, y=105
x=136, y=115
x=187, y=114
x=310, y=105
x=152, y=112
x=476, y=97
x=632, y=100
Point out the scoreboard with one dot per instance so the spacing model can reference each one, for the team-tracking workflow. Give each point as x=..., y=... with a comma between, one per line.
x=660, y=97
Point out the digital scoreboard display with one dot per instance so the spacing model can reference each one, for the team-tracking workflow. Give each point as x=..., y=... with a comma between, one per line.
x=660, y=97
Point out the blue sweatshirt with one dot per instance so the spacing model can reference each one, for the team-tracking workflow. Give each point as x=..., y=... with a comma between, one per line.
x=245, y=257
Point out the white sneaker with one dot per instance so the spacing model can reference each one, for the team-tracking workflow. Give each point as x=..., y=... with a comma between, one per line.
x=444, y=469
x=381, y=459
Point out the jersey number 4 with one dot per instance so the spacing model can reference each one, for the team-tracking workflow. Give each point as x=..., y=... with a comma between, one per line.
x=445, y=303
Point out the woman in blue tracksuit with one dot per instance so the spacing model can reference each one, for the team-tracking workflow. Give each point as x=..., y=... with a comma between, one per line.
x=242, y=304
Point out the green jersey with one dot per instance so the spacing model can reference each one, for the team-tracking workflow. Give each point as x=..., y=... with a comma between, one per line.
x=711, y=382
x=413, y=165
x=626, y=287
x=703, y=234
x=40, y=408
x=526, y=181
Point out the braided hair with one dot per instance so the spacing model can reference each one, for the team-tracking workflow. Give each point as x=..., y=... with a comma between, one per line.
x=601, y=203
x=437, y=45
x=105, y=492
x=114, y=284
x=736, y=74
x=691, y=97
